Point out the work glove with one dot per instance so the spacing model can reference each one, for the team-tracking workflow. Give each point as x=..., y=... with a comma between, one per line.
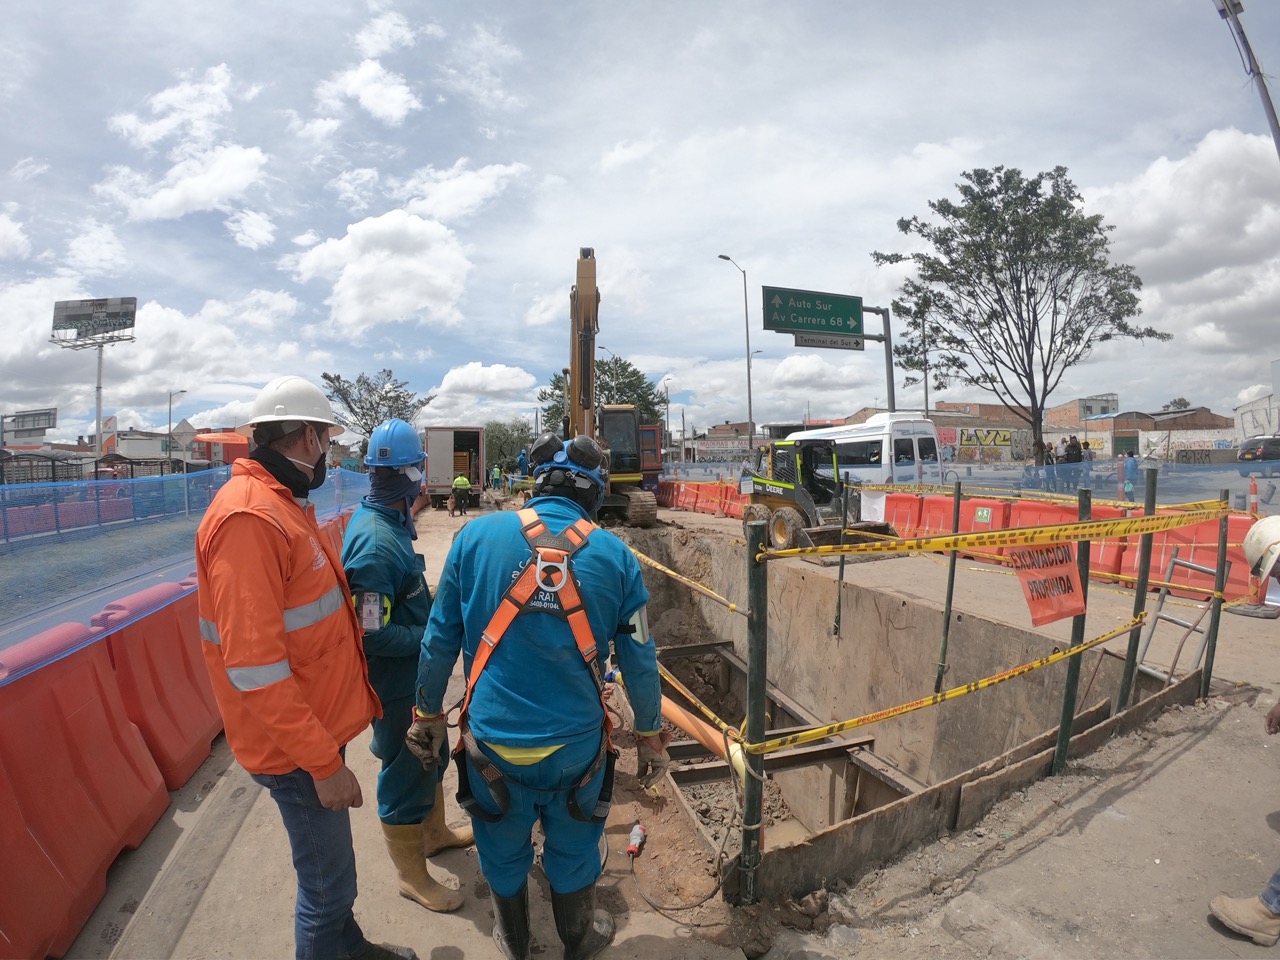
x=426, y=736
x=652, y=758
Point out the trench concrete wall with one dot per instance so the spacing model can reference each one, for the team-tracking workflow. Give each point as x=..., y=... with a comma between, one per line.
x=884, y=655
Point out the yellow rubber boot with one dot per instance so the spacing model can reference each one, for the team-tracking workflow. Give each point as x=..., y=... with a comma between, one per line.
x=404, y=843
x=437, y=835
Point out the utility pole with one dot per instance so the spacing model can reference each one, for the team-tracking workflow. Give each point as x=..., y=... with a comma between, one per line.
x=1230, y=10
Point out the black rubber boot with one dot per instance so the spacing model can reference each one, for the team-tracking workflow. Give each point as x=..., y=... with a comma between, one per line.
x=386, y=951
x=583, y=929
x=511, y=924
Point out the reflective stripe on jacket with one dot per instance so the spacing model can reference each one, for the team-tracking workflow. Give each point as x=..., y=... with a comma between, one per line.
x=280, y=638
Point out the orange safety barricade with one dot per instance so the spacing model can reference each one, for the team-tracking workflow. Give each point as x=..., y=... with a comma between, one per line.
x=685, y=495
x=1197, y=544
x=77, y=514
x=935, y=516
x=77, y=786
x=115, y=508
x=1038, y=513
x=163, y=682
x=1106, y=557
x=980, y=514
x=902, y=512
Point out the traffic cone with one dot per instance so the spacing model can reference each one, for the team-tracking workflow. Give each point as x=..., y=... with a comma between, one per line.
x=1253, y=495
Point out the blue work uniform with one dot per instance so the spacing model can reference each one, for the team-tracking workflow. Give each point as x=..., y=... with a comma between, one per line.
x=535, y=709
x=378, y=556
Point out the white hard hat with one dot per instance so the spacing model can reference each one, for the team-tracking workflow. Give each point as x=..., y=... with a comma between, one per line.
x=1262, y=546
x=287, y=399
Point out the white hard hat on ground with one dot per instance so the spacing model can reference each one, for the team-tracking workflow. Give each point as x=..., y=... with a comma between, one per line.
x=1262, y=546
x=290, y=400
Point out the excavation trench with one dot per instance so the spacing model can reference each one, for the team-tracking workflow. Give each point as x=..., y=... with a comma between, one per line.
x=839, y=807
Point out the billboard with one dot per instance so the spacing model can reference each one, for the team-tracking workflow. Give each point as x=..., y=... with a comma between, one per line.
x=89, y=319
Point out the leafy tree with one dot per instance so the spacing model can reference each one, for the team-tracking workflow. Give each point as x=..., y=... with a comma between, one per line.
x=1015, y=288
x=617, y=381
x=1177, y=403
x=363, y=404
x=503, y=440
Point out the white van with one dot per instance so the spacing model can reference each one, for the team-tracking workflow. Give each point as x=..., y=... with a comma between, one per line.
x=899, y=447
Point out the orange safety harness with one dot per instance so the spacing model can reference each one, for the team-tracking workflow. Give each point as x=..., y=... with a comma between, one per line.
x=546, y=585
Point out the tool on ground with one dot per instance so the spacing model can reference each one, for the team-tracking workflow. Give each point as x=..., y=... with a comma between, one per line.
x=635, y=842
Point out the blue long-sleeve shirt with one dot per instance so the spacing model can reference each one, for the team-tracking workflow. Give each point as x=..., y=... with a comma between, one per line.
x=535, y=689
x=378, y=556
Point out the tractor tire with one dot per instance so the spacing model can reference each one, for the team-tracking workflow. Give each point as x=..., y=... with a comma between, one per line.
x=756, y=511
x=786, y=528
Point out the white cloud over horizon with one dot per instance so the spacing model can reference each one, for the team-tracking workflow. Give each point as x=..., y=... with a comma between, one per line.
x=409, y=186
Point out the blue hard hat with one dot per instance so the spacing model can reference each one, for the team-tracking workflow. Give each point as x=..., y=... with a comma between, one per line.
x=394, y=443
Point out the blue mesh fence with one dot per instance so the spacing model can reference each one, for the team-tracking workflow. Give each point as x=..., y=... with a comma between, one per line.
x=68, y=549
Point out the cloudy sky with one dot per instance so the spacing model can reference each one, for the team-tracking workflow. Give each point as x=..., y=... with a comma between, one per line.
x=343, y=186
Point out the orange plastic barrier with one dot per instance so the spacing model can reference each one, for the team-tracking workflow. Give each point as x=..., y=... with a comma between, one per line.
x=1106, y=557
x=117, y=508
x=77, y=786
x=162, y=677
x=979, y=514
x=935, y=516
x=902, y=511
x=1038, y=513
x=1199, y=545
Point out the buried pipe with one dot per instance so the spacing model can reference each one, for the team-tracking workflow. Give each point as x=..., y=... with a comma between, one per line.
x=705, y=734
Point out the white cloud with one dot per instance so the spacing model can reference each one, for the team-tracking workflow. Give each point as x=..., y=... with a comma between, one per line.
x=28, y=168
x=496, y=380
x=393, y=267
x=96, y=250
x=355, y=187
x=449, y=195
x=251, y=229
x=383, y=94
x=383, y=35
x=206, y=181
x=628, y=151
x=191, y=111
x=308, y=239
x=317, y=130
x=14, y=244
x=475, y=71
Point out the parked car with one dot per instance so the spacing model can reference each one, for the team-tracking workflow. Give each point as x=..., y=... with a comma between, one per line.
x=1260, y=455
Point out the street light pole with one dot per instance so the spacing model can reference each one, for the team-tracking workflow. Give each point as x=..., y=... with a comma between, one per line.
x=168, y=444
x=746, y=319
x=667, y=393
x=1230, y=10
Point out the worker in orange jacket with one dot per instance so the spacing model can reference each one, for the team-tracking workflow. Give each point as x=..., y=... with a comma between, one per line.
x=285, y=656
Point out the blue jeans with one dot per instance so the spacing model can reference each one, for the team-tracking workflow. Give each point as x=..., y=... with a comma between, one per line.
x=540, y=792
x=324, y=924
x=1271, y=896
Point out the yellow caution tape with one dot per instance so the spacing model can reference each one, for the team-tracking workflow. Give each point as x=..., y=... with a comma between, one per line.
x=1015, y=536
x=697, y=704
x=822, y=733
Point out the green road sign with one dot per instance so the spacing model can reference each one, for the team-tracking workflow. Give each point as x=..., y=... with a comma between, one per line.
x=807, y=311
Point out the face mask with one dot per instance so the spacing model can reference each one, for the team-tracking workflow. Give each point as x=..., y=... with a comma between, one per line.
x=318, y=468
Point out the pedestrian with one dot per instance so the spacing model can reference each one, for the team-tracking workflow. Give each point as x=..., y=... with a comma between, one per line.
x=393, y=601
x=1086, y=464
x=283, y=648
x=1074, y=455
x=1130, y=475
x=1258, y=917
x=533, y=599
x=495, y=477
x=522, y=463
x=461, y=492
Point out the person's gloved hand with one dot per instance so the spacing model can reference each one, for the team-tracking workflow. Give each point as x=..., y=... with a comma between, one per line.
x=425, y=738
x=652, y=758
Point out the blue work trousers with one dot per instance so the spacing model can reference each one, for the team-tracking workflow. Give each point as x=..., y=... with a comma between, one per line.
x=1271, y=896
x=324, y=923
x=406, y=790
x=540, y=793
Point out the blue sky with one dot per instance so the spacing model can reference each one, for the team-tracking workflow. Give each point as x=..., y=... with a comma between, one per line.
x=343, y=187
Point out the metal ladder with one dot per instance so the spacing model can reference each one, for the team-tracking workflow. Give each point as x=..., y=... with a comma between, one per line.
x=1189, y=626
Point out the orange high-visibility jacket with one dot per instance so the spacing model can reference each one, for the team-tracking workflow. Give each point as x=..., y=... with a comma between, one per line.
x=281, y=639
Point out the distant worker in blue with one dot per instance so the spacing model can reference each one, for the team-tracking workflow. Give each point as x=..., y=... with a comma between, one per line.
x=532, y=600
x=522, y=463
x=1130, y=475
x=392, y=604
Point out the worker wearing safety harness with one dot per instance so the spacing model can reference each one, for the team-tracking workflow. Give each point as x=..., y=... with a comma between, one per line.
x=532, y=600
x=392, y=602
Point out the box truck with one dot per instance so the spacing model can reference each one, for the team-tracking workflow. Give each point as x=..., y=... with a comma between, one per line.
x=452, y=451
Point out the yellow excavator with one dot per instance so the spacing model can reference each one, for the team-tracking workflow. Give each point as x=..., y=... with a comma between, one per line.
x=615, y=426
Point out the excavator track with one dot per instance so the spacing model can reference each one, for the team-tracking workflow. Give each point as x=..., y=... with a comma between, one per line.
x=642, y=507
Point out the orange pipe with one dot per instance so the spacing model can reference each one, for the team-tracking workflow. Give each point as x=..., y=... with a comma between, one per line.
x=704, y=733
